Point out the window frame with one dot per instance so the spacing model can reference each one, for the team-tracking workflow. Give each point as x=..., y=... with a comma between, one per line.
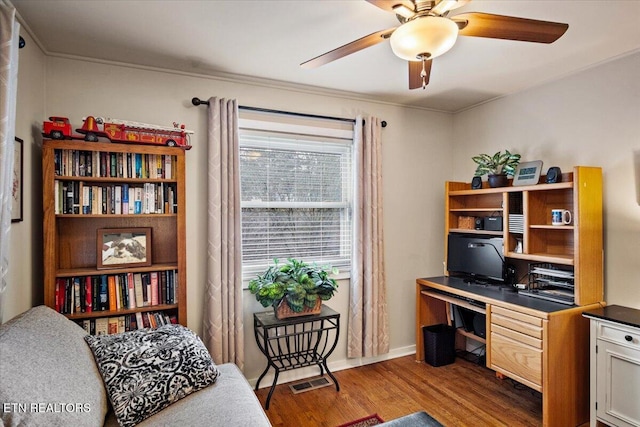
x=340, y=141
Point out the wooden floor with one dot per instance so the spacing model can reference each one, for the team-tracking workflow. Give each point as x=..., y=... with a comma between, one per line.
x=460, y=394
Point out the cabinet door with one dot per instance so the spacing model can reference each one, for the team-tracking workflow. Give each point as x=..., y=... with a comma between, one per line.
x=618, y=384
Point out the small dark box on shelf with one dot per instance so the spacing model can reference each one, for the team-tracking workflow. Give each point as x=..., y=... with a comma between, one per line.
x=493, y=223
x=439, y=344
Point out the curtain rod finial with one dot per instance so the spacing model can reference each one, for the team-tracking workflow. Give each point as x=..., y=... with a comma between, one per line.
x=197, y=101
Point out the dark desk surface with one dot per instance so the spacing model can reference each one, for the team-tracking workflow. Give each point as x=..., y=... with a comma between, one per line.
x=494, y=292
x=616, y=313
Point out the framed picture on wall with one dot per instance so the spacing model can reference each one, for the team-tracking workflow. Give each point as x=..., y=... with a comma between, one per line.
x=17, y=186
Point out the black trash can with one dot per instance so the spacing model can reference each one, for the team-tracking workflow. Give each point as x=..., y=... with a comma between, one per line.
x=439, y=344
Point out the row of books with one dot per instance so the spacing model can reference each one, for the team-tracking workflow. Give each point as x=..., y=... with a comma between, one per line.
x=86, y=294
x=126, y=323
x=76, y=197
x=114, y=165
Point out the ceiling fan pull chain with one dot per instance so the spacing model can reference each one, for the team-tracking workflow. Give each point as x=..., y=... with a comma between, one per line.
x=423, y=73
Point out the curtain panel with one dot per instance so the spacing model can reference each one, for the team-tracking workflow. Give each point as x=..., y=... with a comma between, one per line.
x=368, y=329
x=223, y=332
x=9, y=36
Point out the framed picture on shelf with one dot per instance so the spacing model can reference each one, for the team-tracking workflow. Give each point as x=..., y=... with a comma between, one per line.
x=17, y=185
x=123, y=247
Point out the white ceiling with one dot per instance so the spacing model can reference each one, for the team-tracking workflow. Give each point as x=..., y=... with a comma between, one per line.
x=269, y=39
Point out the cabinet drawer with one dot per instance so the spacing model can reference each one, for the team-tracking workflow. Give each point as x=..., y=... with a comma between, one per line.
x=517, y=336
x=524, y=318
x=619, y=334
x=516, y=325
x=512, y=357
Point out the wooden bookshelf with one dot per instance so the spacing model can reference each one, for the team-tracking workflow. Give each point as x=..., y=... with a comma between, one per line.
x=70, y=225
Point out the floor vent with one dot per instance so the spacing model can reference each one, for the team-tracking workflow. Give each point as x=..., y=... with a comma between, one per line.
x=312, y=384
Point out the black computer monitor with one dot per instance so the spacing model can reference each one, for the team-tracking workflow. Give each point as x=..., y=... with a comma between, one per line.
x=477, y=258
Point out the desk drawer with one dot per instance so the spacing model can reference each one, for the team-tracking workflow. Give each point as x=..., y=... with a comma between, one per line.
x=524, y=318
x=517, y=336
x=516, y=325
x=516, y=346
x=517, y=360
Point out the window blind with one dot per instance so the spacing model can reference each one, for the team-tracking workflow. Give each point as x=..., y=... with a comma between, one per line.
x=296, y=199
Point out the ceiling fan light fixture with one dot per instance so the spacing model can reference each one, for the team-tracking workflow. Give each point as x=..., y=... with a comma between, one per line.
x=430, y=35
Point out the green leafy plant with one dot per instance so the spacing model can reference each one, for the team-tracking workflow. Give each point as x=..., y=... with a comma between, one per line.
x=500, y=163
x=296, y=282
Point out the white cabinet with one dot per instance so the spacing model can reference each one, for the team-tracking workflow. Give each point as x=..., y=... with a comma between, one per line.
x=615, y=366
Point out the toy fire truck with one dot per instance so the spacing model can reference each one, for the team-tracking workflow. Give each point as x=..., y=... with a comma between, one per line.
x=58, y=128
x=122, y=131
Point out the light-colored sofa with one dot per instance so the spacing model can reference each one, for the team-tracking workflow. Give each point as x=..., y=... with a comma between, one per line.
x=48, y=377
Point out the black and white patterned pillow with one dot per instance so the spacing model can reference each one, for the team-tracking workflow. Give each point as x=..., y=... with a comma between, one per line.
x=145, y=371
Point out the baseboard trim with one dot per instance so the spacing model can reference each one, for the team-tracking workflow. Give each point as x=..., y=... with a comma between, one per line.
x=334, y=366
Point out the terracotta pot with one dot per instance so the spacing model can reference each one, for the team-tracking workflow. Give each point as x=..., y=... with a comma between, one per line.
x=498, y=180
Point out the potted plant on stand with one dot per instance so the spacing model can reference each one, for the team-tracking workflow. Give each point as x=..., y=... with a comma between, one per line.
x=497, y=167
x=293, y=289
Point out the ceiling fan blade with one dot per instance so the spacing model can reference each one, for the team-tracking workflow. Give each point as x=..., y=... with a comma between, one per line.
x=415, y=69
x=508, y=27
x=349, y=48
x=388, y=5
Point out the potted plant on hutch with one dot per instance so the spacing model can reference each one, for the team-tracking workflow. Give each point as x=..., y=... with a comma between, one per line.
x=497, y=167
x=293, y=289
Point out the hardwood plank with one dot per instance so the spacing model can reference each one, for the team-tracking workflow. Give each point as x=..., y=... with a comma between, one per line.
x=460, y=394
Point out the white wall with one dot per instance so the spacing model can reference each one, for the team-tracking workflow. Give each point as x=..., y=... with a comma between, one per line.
x=591, y=118
x=25, y=273
x=413, y=206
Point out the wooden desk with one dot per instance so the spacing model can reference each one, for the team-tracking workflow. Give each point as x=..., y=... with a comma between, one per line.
x=542, y=344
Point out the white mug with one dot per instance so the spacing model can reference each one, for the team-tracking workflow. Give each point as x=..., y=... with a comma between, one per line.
x=560, y=217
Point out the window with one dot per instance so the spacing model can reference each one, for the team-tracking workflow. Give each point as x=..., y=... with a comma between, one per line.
x=296, y=197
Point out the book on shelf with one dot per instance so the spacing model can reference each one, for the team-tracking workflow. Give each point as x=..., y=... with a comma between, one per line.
x=101, y=164
x=125, y=199
x=137, y=280
x=131, y=290
x=102, y=325
x=112, y=325
x=78, y=298
x=127, y=322
x=119, y=199
x=114, y=292
x=111, y=286
x=154, y=287
x=88, y=294
x=139, y=322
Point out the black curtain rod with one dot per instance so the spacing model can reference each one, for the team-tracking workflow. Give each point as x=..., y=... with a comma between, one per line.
x=198, y=101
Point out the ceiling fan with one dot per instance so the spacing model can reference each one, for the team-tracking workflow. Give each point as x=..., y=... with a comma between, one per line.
x=426, y=31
